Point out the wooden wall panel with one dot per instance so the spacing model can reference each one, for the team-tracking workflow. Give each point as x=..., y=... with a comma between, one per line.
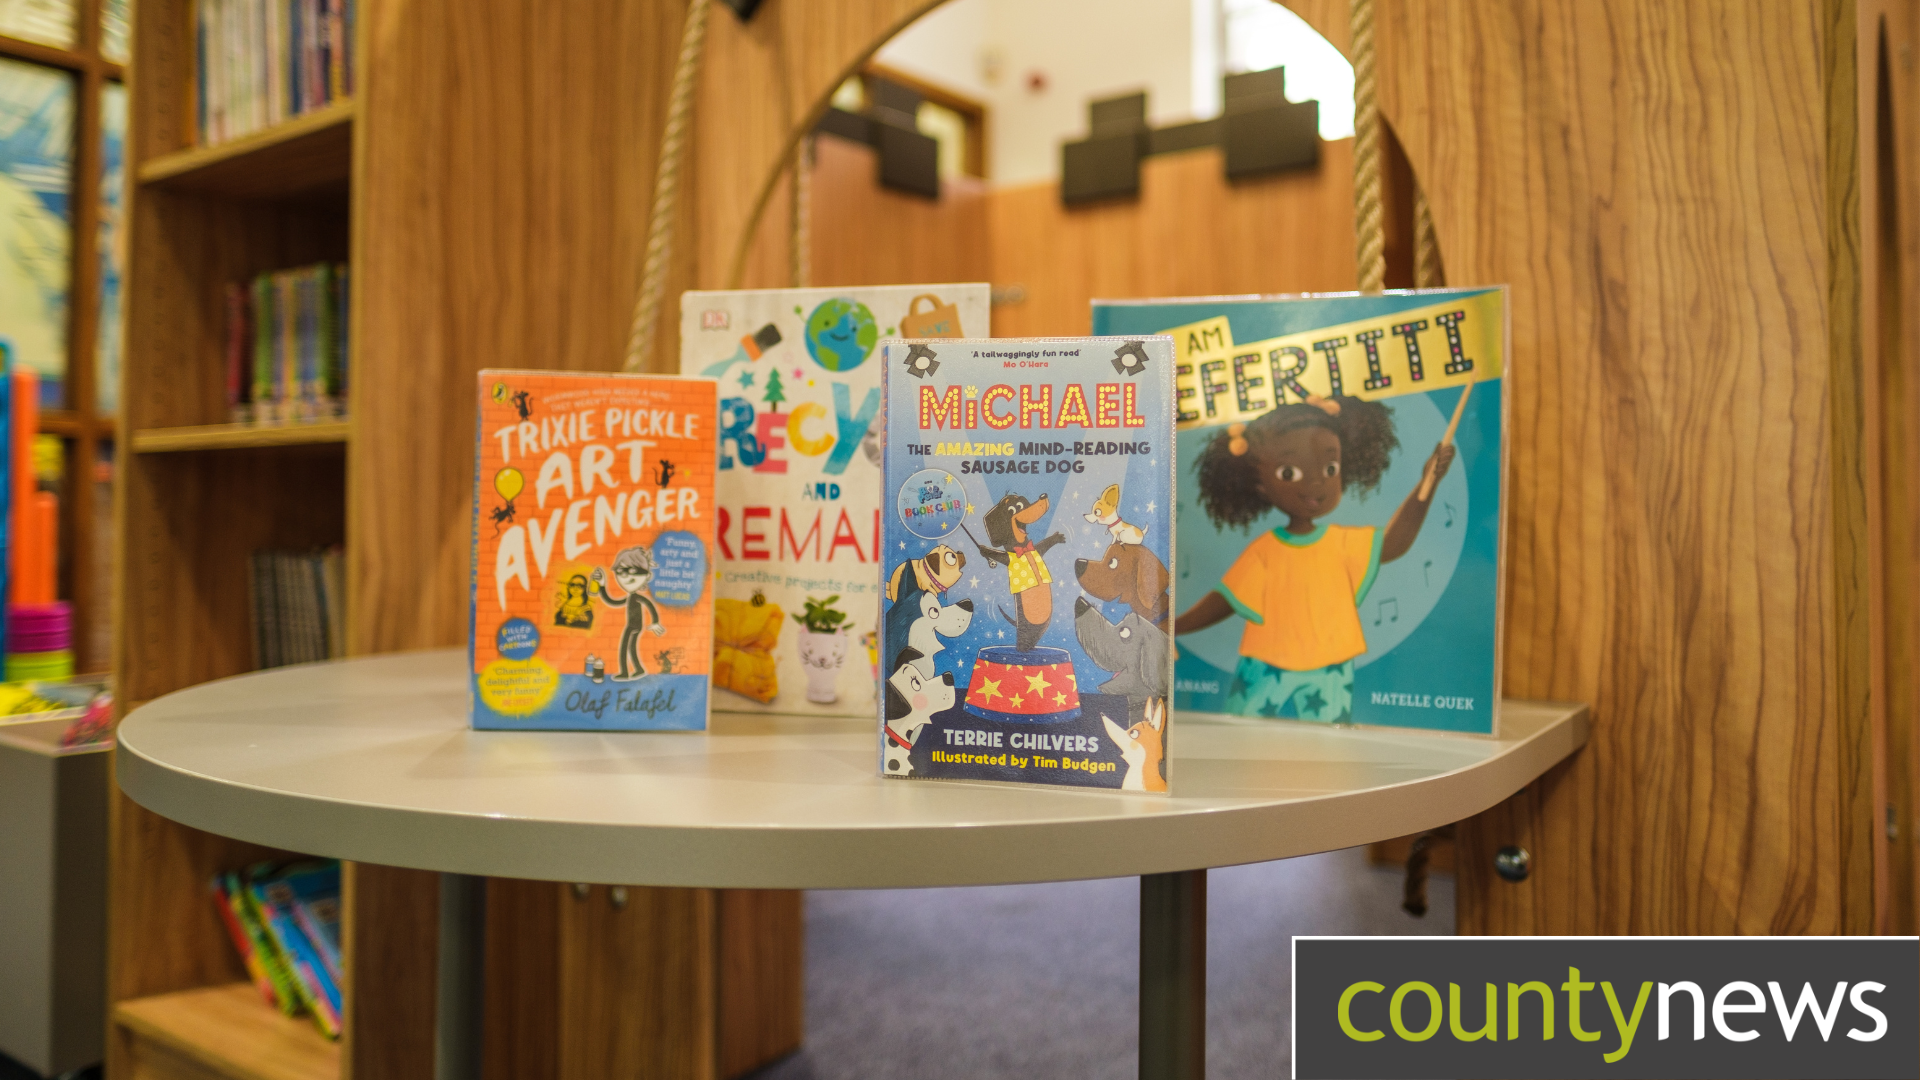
x=864, y=234
x=637, y=985
x=508, y=165
x=760, y=82
x=1687, y=542
x=523, y=1009
x=759, y=1017
x=1889, y=34
x=389, y=942
x=1190, y=233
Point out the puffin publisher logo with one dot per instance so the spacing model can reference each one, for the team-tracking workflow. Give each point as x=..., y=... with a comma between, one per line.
x=1606, y=1006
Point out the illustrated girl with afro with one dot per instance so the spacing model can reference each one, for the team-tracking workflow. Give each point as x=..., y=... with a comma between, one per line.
x=1300, y=586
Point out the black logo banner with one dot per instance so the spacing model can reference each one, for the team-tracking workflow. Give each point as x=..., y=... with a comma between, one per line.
x=1475, y=1007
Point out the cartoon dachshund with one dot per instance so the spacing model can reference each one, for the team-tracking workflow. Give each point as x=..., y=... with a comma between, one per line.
x=1027, y=576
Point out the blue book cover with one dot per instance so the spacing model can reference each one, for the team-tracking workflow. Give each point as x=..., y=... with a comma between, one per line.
x=1028, y=490
x=1341, y=515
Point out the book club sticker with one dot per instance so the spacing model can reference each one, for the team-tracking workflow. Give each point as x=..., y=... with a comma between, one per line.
x=932, y=504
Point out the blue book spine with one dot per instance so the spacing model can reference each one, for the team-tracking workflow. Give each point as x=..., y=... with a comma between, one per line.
x=200, y=69
x=309, y=343
x=341, y=337
x=348, y=47
x=296, y=66
x=323, y=48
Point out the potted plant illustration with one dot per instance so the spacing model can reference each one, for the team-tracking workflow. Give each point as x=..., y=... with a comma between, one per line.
x=823, y=647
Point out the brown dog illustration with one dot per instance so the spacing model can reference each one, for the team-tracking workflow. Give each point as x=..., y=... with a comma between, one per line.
x=1128, y=572
x=1027, y=577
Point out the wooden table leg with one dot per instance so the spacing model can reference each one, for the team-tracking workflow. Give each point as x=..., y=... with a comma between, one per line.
x=1173, y=976
x=463, y=966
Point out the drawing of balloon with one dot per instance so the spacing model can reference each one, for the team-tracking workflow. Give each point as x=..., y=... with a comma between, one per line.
x=508, y=483
x=499, y=391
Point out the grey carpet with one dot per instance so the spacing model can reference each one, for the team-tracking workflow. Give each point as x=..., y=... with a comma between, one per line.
x=1040, y=980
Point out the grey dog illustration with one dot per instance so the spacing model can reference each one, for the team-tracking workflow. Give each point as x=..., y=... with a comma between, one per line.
x=1133, y=649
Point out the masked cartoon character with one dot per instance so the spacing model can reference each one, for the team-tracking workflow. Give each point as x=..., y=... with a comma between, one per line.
x=633, y=569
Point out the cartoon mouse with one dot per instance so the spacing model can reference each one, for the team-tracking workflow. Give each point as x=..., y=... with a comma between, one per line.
x=1027, y=577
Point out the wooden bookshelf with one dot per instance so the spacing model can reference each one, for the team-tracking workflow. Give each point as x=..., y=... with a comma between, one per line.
x=481, y=228
x=312, y=151
x=239, y=436
x=197, y=496
x=228, y=1030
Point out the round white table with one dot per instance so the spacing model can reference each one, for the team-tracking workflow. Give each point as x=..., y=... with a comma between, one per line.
x=371, y=760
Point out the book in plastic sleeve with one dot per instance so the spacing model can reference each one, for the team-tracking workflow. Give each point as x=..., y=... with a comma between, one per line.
x=593, y=545
x=1342, y=464
x=1029, y=541
x=797, y=616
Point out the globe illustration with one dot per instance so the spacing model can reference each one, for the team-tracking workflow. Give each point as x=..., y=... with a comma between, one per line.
x=840, y=334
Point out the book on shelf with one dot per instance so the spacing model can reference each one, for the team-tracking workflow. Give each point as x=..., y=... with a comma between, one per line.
x=298, y=609
x=272, y=974
x=314, y=982
x=261, y=62
x=1341, y=521
x=283, y=920
x=286, y=350
x=593, y=535
x=797, y=608
x=1029, y=494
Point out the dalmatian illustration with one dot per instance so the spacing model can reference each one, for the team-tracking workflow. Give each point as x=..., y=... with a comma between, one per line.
x=912, y=701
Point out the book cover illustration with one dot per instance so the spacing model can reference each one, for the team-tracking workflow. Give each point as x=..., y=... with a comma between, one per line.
x=798, y=596
x=1341, y=505
x=1029, y=530
x=593, y=535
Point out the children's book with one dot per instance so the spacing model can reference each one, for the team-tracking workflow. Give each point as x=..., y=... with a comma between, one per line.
x=316, y=908
x=1029, y=487
x=223, y=901
x=246, y=911
x=317, y=992
x=593, y=537
x=797, y=614
x=1342, y=465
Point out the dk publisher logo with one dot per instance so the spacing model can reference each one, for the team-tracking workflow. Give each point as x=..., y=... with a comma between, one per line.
x=1413, y=1008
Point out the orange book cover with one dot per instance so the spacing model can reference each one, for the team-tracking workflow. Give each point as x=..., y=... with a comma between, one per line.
x=593, y=534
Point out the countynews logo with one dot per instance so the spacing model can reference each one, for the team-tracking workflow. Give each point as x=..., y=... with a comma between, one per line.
x=1467, y=1007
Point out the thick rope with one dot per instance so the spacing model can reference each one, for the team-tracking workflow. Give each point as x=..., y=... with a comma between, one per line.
x=666, y=188
x=1369, y=222
x=800, y=237
x=1427, y=271
x=737, y=266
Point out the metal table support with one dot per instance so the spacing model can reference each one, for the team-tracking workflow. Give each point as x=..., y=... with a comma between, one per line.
x=463, y=966
x=1173, y=976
